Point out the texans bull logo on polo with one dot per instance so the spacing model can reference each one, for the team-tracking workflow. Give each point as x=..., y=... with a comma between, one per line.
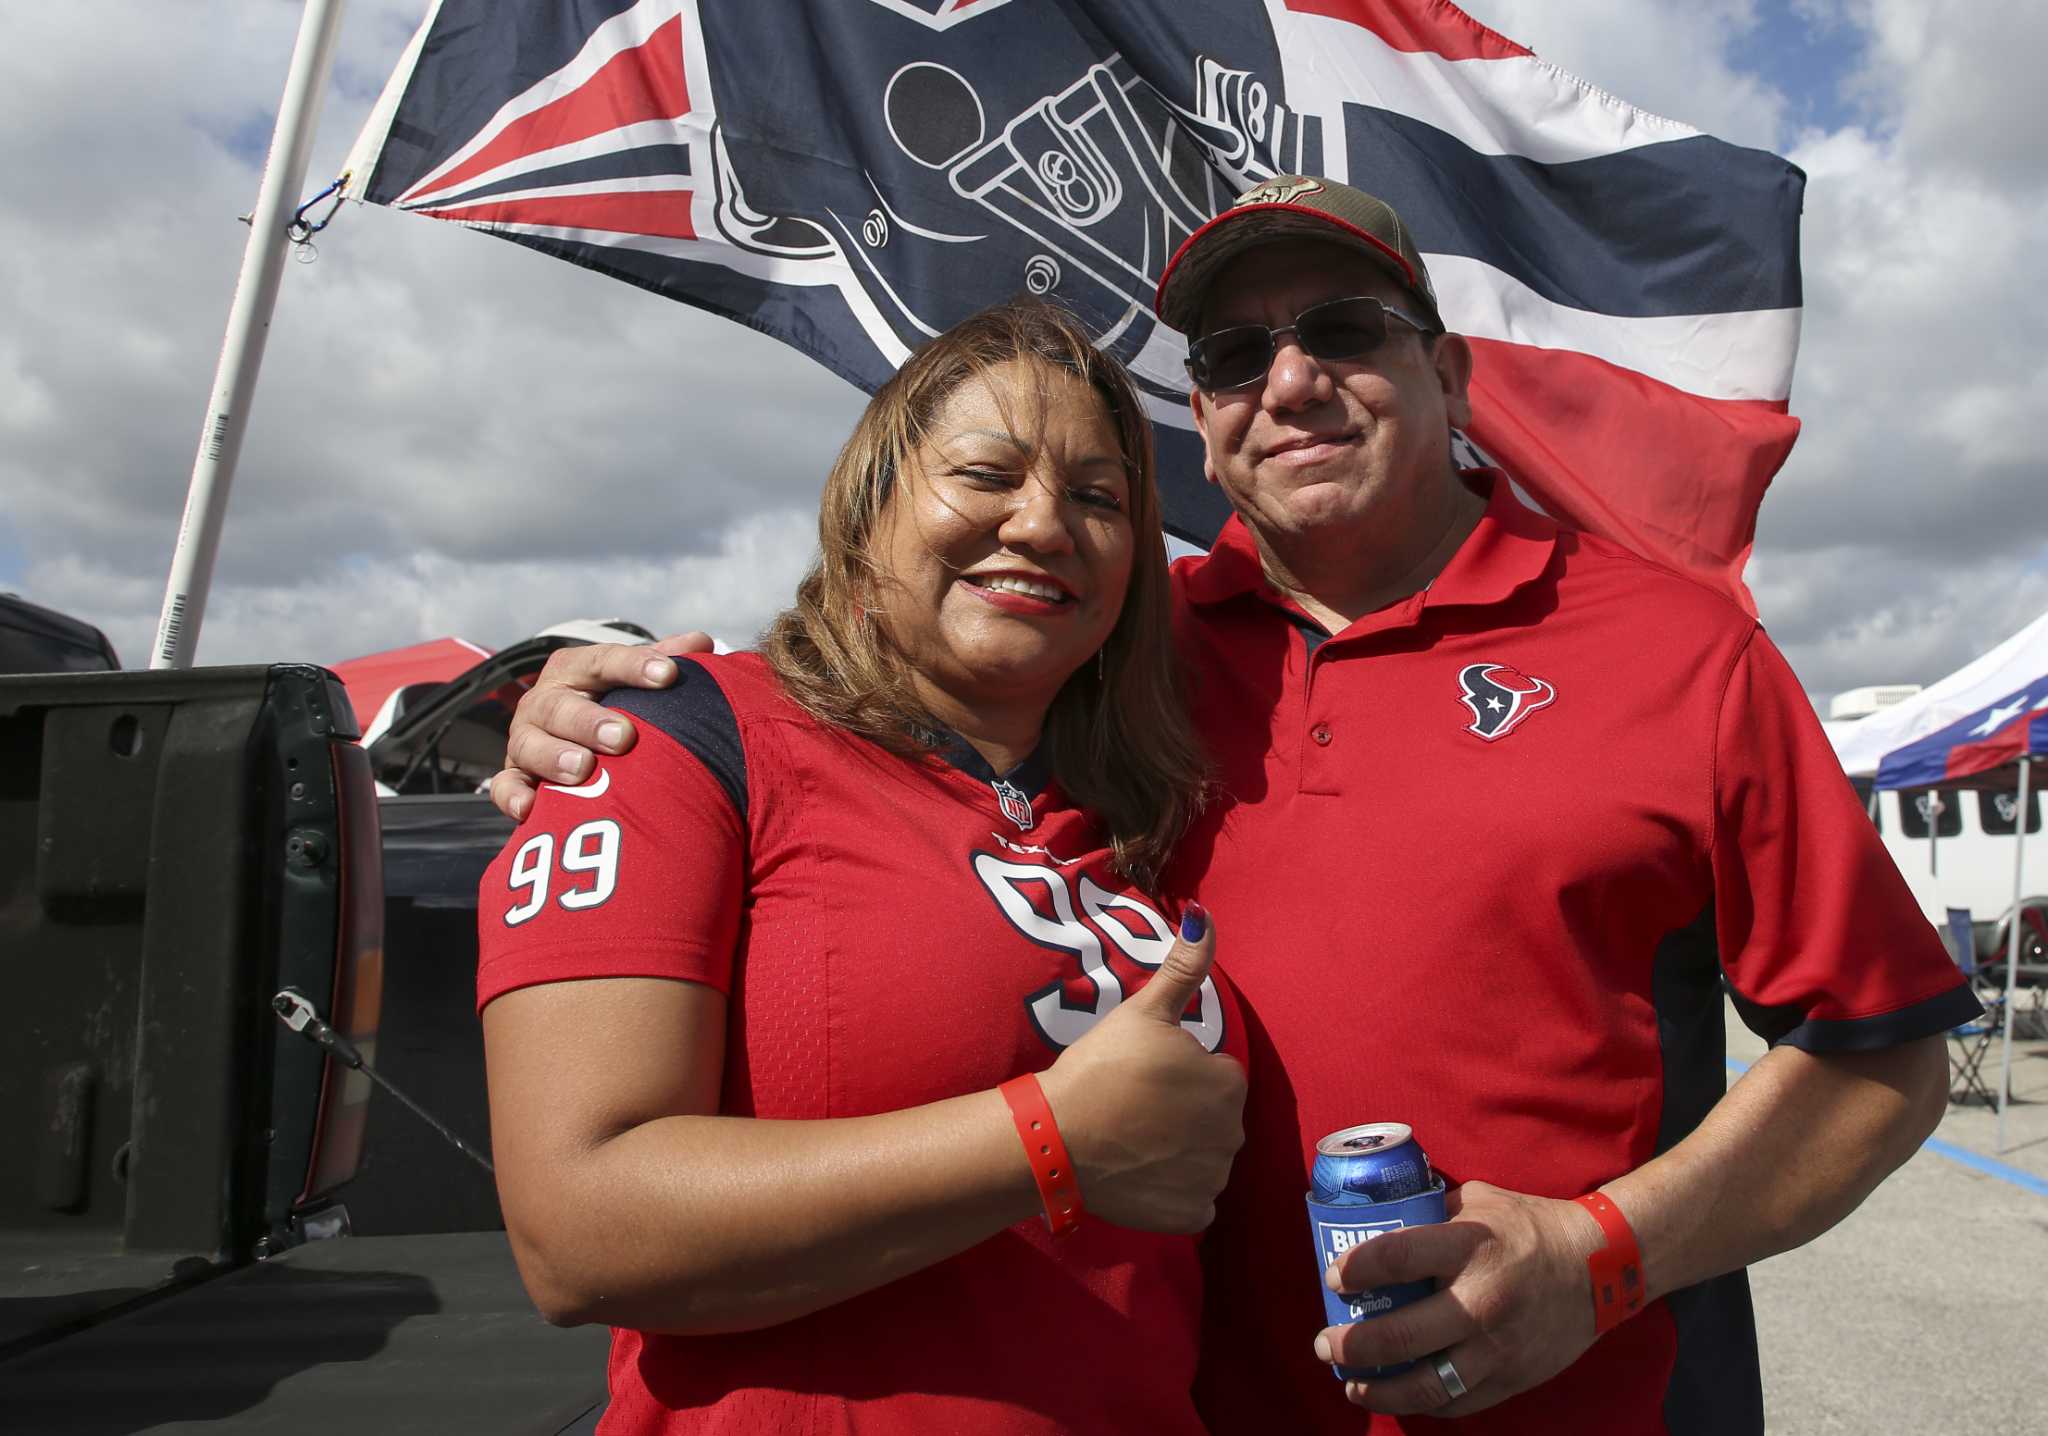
x=1501, y=698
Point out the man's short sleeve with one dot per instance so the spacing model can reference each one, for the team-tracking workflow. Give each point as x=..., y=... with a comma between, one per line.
x=1822, y=941
x=637, y=872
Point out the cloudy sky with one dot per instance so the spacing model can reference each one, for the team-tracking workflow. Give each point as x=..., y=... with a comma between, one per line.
x=456, y=435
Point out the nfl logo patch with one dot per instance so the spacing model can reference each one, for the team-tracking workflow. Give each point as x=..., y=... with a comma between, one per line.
x=1016, y=806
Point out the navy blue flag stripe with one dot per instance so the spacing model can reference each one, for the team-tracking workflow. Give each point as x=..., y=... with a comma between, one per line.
x=1690, y=226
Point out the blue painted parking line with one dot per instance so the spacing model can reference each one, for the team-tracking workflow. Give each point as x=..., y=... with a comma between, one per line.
x=1990, y=1166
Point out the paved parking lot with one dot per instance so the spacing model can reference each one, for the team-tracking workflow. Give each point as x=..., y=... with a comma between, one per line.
x=1927, y=1310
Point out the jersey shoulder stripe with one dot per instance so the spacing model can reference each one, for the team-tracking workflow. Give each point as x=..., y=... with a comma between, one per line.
x=697, y=714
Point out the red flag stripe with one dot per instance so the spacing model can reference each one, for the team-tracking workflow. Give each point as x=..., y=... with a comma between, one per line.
x=1565, y=424
x=664, y=213
x=634, y=86
x=1966, y=760
x=1432, y=27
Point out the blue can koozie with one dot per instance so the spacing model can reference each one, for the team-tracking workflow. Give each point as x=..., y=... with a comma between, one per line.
x=1339, y=1220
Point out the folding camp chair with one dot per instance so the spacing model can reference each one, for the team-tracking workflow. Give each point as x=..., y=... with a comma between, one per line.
x=1969, y=1042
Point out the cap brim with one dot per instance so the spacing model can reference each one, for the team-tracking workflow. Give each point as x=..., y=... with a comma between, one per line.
x=1189, y=274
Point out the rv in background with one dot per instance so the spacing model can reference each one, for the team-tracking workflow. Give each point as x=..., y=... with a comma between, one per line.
x=1955, y=846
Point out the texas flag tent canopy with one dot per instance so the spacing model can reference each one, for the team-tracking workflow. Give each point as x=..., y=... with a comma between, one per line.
x=1981, y=750
x=1965, y=695
x=853, y=176
x=1995, y=748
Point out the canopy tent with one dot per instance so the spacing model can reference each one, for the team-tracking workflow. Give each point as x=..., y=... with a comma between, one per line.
x=1969, y=691
x=1981, y=750
x=1994, y=748
x=378, y=683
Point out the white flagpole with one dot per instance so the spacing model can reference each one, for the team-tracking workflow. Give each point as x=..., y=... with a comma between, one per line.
x=241, y=354
x=2012, y=945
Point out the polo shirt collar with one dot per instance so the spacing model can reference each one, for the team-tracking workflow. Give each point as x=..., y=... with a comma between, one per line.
x=1231, y=566
x=1509, y=547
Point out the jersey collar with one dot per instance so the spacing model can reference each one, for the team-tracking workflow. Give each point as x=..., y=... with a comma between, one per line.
x=956, y=752
x=1509, y=547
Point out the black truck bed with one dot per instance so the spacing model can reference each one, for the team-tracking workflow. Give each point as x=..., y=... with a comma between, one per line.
x=176, y=850
x=361, y=1335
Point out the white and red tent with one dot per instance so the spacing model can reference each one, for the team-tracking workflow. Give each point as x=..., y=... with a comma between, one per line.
x=381, y=685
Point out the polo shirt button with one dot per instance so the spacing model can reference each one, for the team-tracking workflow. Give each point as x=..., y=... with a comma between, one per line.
x=1321, y=733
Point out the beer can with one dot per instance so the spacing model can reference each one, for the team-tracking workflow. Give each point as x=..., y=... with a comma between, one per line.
x=1372, y=1162
x=1367, y=1181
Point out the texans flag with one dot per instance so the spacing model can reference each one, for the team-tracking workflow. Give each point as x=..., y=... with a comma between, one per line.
x=852, y=176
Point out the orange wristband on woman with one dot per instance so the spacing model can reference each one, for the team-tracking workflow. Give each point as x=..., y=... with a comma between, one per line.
x=1050, y=1165
x=1616, y=1269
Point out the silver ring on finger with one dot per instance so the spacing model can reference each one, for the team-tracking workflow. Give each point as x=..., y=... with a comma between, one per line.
x=1448, y=1375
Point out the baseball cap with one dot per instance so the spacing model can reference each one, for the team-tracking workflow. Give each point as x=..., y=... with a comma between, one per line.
x=1291, y=207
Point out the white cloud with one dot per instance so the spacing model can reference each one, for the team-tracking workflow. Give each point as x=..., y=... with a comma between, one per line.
x=1668, y=58
x=369, y=603
x=1961, y=80
x=1914, y=511
x=436, y=407
x=1832, y=610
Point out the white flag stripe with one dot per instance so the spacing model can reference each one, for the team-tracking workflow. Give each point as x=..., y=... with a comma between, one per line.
x=688, y=131
x=1743, y=355
x=363, y=154
x=624, y=184
x=625, y=31
x=1174, y=413
x=1519, y=106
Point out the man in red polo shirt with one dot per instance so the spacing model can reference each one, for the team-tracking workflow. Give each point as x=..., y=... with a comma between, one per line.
x=1502, y=805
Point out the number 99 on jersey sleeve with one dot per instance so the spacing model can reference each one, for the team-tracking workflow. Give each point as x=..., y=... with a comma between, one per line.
x=648, y=884
x=580, y=872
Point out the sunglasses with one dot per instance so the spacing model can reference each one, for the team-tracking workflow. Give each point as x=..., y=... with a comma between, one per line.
x=1339, y=329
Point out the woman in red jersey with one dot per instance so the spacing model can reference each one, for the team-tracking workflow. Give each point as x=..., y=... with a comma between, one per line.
x=819, y=1178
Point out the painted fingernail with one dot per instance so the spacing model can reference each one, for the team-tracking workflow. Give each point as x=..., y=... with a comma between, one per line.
x=660, y=670
x=611, y=733
x=1323, y=1349
x=571, y=764
x=1194, y=921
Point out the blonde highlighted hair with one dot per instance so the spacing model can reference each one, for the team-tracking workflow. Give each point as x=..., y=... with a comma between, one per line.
x=1118, y=733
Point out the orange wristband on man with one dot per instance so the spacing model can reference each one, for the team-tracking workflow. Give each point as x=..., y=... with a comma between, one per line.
x=1616, y=1269
x=1050, y=1165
